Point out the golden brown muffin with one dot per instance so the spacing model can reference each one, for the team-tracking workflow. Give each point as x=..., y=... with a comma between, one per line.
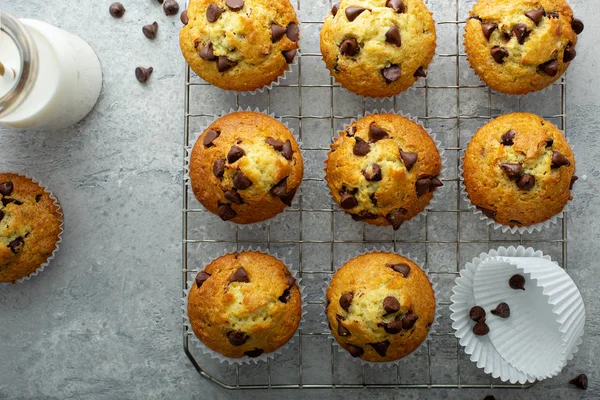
x=378, y=48
x=518, y=169
x=246, y=167
x=383, y=169
x=30, y=227
x=240, y=45
x=244, y=304
x=519, y=46
x=380, y=306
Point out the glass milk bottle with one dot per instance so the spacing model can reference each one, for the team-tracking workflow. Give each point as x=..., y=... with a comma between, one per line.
x=49, y=78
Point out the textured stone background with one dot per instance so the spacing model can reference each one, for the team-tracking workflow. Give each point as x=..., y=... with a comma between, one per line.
x=103, y=321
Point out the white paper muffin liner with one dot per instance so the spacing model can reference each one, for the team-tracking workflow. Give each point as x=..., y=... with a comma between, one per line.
x=194, y=137
x=436, y=193
x=546, y=320
x=384, y=364
x=60, y=234
x=243, y=360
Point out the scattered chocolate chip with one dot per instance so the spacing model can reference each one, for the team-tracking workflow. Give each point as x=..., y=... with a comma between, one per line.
x=488, y=29
x=391, y=73
x=403, y=269
x=241, y=181
x=224, y=64
x=142, y=74
x=376, y=133
x=240, y=275
x=226, y=212
x=558, y=160
x=351, y=131
x=374, y=174
x=234, y=5
x=393, y=327
x=581, y=381
x=396, y=217
x=549, y=68
x=210, y=137
x=361, y=147
x=477, y=313
x=292, y=32
x=396, y=5
x=507, y=138
x=285, y=297
x=517, y=282
x=287, y=151
x=549, y=142
x=380, y=347
x=349, y=47
x=6, y=188
x=150, y=30
x=373, y=199
x=573, y=180
x=201, y=278
x=409, y=321
x=355, y=351
x=393, y=36
x=237, y=338
x=207, y=52
x=288, y=198
x=213, y=12
x=391, y=304
x=277, y=32
x=342, y=330
x=171, y=7
x=435, y=183
x=117, y=10
x=502, y=310
x=276, y=144
x=487, y=212
x=422, y=186
x=348, y=201
x=254, y=353
x=184, y=17
x=291, y=281
x=353, y=12
x=512, y=170
x=499, y=54
x=235, y=153
x=6, y=201
x=289, y=55
x=481, y=328
x=280, y=189
x=570, y=53
x=409, y=159
x=335, y=9
x=521, y=32
x=234, y=197
x=219, y=168
x=535, y=15
x=553, y=15
x=16, y=245
x=346, y=300
x=526, y=182
x=577, y=25
x=1, y=215
x=420, y=73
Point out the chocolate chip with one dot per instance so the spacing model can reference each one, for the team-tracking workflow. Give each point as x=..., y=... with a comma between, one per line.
x=1, y=215
x=392, y=327
x=507, y=138
x=276, y=144
x=570, y=53
x=396, y=5
x=335, y=9
x=285, y=297
x=396, y=217
x=573, y=180
x=517, y=282
x=348, y=201
x=435, y=183
x=487, y=212
x=150, y=30
x=16, y=245
x=237, y=338
x=6, y=201
x=549, y=68
x=393, y=36
x=488, y=29
x=209, y=138
x=287, y=151
x=391, y=304
x=240, y=275
x=376, y=133
x=184, y=17
x=201, y=278
x=409, y=320
x=481, y=328
x=234, y=197
x=116, y=10
x=280, y=189
x=291, y=281
x=171, y=7
x=499, y=54
x=213, y=12
x=553, y=15
x=409, y=159
x=364, y=215
x=403, y=269
x=342, y=330
x=391, y=73
x=535, y=15
x=422, y=186
x=142, y=74
x=502, y=310
x=577, y=25
x=288, y=198
x=346, y=300
x=581, y=381
x=380, y=347
x=289, y=55
x=349, y=47
x=477, y=314
x=226, y=212
x=355, y=351
x=521, y=32
x=219, y=168
x=207, y=52
x=526, y=182
x=241, y=181
x=351, y=131
x=292, y=32
x=353, y=12
x=361, y=147
x=558, y=160
x=6, y=188
x=420, y=73
x=549, y=142
x=224, y=64
x=235, y=153
x=254, y=353
x=235, y=5
x=374, y=174
x=373, y=199
x=512, y=170
x=277, y=32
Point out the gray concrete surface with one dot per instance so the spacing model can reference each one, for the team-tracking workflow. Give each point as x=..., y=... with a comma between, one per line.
x=103, y=321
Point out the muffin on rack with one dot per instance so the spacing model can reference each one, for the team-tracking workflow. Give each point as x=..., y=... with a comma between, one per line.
x=30, y=226
x=520, y=46
x=380, y=306
x=246, y=167
x=518, y=170
x=244, y=304
x=383, y=169
x=378, y=48
x=240, y=45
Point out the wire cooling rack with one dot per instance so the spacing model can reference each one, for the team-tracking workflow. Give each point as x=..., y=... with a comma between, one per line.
x=315, y=237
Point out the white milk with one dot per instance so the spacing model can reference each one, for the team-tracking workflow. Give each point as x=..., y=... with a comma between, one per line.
x=67, y=84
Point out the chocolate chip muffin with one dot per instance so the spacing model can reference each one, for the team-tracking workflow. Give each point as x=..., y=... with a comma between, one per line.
x=378, y=48
x=240, y=45
x=518, y=169
x=30, y=227
x=246, y=167
x=519, y=46
x=380, y=306
x=383, y=169
x=244, y=304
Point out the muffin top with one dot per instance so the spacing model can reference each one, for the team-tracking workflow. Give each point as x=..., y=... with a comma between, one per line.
x=244, y=304
x=518, y=169
x=380, y=306
x=246, y=167
x=383, y=169
x=240, y=45
x=30, y=225
x=378, y=48
x=519, y=46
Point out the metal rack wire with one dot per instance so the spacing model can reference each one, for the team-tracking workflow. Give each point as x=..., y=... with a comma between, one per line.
x=313, y=362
